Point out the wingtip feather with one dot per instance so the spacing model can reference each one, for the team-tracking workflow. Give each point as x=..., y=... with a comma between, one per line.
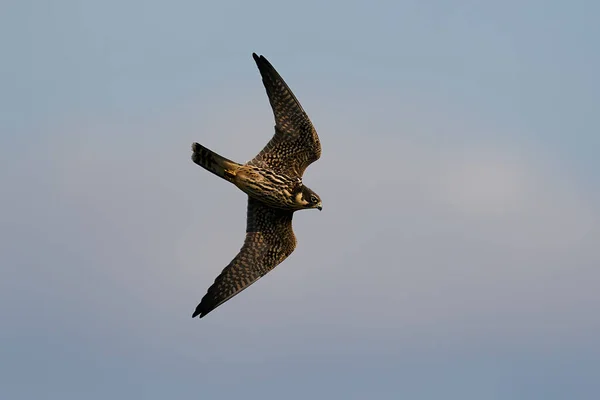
x=196, y=313
x=261, y=60
x=201, y=311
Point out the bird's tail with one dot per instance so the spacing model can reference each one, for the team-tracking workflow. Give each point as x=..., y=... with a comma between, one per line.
x=213, y=162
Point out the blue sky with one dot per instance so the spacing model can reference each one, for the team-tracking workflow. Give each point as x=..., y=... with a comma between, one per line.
x=457, y=253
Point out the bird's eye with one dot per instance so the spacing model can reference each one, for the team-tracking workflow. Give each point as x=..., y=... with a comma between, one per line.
x=313, y=199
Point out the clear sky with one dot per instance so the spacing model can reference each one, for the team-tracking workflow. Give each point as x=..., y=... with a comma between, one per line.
x=456, y=257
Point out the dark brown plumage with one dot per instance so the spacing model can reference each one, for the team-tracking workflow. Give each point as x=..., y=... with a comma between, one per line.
x=295, y=144
x=273, y=182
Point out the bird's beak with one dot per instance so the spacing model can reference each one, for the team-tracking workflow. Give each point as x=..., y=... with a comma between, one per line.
x=319, y=206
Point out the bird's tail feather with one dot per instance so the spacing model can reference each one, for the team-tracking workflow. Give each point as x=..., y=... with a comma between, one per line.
x=213, y=162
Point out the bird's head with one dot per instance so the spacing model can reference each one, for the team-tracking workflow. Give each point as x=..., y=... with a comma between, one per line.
x=306, y=198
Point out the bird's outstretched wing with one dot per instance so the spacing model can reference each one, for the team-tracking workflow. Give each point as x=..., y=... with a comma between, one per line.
x=295, y=144
x=269, y=240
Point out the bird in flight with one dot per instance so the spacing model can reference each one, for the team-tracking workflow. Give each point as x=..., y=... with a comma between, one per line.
x=273, y=182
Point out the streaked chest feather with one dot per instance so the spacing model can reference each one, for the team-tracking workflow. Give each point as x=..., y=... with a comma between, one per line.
x=265, y=185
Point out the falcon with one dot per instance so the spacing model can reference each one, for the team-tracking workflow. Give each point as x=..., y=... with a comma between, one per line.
x=273, y=182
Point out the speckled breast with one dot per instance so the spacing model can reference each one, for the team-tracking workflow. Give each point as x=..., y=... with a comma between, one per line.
x=266, y=186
